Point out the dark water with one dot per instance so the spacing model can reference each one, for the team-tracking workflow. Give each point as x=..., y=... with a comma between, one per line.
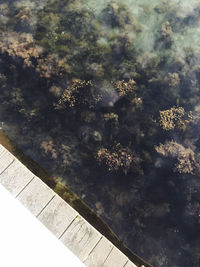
x=105, y=96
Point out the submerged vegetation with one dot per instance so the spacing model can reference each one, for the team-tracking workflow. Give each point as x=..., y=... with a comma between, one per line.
x=107, y=97
x=174, y=118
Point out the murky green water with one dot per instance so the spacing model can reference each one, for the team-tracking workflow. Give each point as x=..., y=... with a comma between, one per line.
x=105, y=96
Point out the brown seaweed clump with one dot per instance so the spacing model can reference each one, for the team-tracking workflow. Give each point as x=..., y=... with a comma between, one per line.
x=118, y=15
x=125, y=88
x=24, y=20
x=20, y=45
x=80, y=93
x=165, y=36
x=117, y=158
x=166, y=30
x=111, y=118
x=174, y=117
x=49, y=148
x=51, y=66
x=69, y=94
x=173, y=79
x=186, y=162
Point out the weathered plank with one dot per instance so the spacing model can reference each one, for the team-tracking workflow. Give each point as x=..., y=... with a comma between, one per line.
x=131, y=264
x=15, y=177
x=81, y=238
x=6, y=158
x=99, y=254
x=57, y=216
x=36, y=196
x=116, y=258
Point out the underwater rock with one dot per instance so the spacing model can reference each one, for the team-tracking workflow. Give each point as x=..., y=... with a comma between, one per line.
x=88, y=134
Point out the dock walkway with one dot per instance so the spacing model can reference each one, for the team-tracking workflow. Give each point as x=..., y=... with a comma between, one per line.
x=90, y=246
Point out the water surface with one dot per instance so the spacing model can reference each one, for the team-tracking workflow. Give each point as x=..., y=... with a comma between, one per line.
x=105, y=96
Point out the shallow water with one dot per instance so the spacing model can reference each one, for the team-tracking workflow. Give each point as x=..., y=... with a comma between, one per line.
x=106, y=98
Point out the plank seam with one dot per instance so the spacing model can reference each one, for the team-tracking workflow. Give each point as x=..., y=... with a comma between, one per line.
x=108, y=255
x=68, y=226
x=7, y=166
x=93, y=248
x=25, y=186
x=125, y=263
x=45, y=206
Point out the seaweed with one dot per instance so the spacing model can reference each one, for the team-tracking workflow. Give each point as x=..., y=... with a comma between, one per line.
x=106, y=97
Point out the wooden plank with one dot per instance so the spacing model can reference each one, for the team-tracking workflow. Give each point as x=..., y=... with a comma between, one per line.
x=15, y=177
x=116, y=258
x=81, y=238
x=6, y=158
x=131, y=264
x=36, y=196
x=99, y=254
x=57, y=216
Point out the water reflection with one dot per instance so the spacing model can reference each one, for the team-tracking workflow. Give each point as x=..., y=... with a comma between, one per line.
x=106, y=97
